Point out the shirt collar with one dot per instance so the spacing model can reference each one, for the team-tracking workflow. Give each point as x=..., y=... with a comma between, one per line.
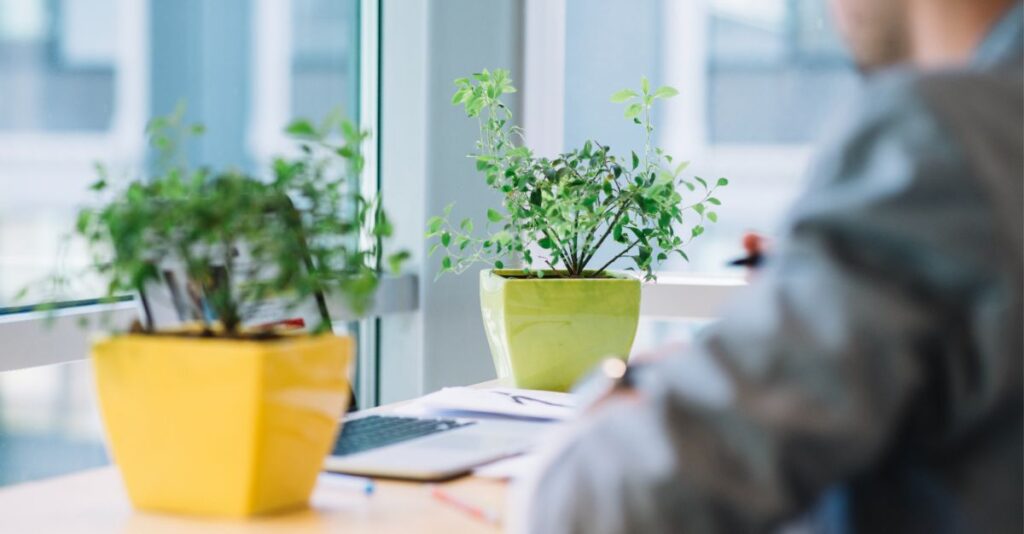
x=1004, y=41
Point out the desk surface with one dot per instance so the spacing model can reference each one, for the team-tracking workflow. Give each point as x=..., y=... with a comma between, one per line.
x=95, y=501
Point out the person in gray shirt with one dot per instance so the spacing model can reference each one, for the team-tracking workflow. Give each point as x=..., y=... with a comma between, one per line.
x=878, y=354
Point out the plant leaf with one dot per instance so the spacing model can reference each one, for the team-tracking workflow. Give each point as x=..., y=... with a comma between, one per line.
x=633, y=111
x=395, y=260
x=302, y=128
x=433, y=225
x=624, y=95
x=666, y=92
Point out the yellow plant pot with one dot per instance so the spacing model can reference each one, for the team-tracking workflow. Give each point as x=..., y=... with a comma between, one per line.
x=218, y=426
x=547, y=333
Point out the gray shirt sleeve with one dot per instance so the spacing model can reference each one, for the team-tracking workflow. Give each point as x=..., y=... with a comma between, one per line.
x=810, y=376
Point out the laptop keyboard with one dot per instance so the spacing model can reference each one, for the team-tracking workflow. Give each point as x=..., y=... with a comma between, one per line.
x=365, y=433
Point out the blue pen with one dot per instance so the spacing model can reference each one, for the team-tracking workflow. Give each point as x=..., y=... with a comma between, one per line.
x=366, y=485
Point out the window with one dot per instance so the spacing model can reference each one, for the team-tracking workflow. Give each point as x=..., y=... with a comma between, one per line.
x=49, y=422
x=59, y=63
x=324, y=62
x=728, y=58
x=80, y=79
x=72, y=78
x=783, y=52
x=72, y=98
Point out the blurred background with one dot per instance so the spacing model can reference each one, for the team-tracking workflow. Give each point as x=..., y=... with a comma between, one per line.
x=759, y=80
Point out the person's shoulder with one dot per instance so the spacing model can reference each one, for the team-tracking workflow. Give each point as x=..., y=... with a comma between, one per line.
x=893, y=141
x=946, y=103
x=922, y=133
x=923, y=112
x=890, y=124
x=898, y=101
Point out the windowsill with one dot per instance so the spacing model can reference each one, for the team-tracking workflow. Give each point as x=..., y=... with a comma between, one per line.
x=697, y=279
x=690, y=296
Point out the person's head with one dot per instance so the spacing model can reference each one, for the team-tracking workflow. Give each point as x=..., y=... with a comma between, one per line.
x=876, y=31
x=881, y=33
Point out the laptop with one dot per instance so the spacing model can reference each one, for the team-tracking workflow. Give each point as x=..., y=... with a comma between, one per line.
x=427, y=448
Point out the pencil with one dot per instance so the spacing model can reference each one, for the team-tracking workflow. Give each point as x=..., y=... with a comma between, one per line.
x=477, y=512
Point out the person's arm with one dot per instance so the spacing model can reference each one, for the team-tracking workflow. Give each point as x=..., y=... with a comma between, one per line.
x=809, y=377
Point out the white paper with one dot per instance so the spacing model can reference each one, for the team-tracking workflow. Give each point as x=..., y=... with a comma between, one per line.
x=502, y=402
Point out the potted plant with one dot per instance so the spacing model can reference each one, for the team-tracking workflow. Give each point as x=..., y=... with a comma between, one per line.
x=220, y=417
x=567, y=220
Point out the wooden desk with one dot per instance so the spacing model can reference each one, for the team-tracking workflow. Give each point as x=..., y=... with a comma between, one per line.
x=95, y=501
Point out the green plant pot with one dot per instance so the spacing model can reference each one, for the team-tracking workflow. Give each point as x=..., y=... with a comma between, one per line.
x=547, y=333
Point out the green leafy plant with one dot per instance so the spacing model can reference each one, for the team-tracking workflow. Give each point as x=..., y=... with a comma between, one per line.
x=566, y=209
x=301, y=231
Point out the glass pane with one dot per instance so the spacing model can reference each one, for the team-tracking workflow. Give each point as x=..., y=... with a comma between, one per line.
x=34, y=239
x=609, y=45
x=58, y=64
x=49, y=422
x=325, y=57
x=57, y=60
x=57, y=71
x=784, y=52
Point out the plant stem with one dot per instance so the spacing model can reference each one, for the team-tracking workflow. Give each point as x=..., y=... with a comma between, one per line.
x=557, y=243
x=190, y=278
x=229, y=312
x=593, y=231
x=575, y=236
x=617, y=256
x=611, y=228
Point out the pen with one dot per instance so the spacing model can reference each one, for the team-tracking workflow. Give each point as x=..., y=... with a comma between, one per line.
x=366, y=485
x=752, y=260
x=477, y=512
